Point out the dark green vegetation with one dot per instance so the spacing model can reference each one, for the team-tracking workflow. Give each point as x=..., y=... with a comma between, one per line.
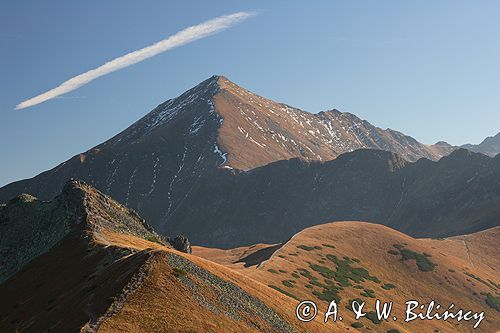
x=304, y=272
x=272, y=270
x=288, y=283
x=329, y=245
x=357, y=324
x=177, y=272
x=308, y=248
x=372, y=316
x=494, y=284
x=284, y=292
x=327, y=294
x=345, y=272
x=337, y=275
x=393, y=330
x=348, y=306
x=421, y=259
x=493, y=301
x=477, y=278
x=368, y=293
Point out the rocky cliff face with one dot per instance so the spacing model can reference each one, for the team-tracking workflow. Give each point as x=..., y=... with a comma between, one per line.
x=30, y=227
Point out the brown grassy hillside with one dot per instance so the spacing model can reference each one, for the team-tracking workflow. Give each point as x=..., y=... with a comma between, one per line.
x=107, y=271
x=319, y=263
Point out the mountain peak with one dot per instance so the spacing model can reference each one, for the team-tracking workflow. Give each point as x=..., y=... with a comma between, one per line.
x=489, y=146
x=442, y=144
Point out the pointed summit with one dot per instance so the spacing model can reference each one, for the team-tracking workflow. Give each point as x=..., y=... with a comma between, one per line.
x=180, y=152
x=489, y=146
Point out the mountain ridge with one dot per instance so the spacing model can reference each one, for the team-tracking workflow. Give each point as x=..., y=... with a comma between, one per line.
x=193, y=115
x=489, y=146
x=107, y=270
x=30, y=227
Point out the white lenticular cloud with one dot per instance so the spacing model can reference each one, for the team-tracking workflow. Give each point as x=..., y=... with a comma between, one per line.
x=182, y=37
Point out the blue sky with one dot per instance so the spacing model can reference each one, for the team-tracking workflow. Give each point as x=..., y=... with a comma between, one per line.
x=430, y=69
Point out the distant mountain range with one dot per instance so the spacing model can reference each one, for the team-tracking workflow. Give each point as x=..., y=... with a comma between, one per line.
x=228, y=167
x=490, y=146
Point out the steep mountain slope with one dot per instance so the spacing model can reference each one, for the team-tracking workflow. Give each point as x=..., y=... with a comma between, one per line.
x=153, y=165
x=490, y=146
x=29, y=227
x=257, y=131
x=356, y=260
x=459, y=194
x=107, y=272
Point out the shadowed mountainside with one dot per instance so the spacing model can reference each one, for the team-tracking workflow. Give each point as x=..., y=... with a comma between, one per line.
x=84, y=263
x=29, y=227
x=457, y=195
x=490, y=146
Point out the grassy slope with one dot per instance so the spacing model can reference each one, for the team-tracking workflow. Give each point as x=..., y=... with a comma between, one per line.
x=125, y=283
x=370, y=243
x=163, y=303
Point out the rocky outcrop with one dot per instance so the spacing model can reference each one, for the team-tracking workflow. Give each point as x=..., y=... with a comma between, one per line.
x=30, y=227
x=181, y=243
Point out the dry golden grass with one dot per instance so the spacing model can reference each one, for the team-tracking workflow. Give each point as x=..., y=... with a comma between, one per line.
x=370, y=243
x=80, y=280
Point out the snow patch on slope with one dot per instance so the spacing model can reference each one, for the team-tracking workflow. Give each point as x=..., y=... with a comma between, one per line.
x=220, y=153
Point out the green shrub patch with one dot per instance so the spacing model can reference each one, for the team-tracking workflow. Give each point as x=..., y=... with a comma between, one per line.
x=284, y=292
x=372, y=316
x=422, y=259
x=388, y=286
x=477, y=278
x=308, y=248
x=493, y=301
x=179, y=272
x=368, y=293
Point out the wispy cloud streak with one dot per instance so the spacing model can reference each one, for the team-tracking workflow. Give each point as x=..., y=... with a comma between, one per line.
x=182, y=37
